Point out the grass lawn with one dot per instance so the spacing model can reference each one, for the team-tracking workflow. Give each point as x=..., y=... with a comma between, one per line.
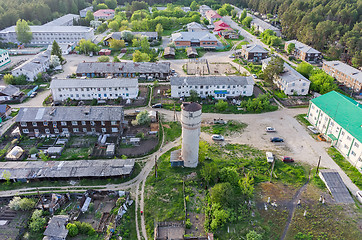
x=346, y=166
x=301, y=119
x=224, y=129
x=169, y=32
x=164, y=195
x=240, y=45
x=172, y=131
x=280, y=94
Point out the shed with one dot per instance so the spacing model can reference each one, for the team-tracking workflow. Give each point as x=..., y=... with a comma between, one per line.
x=15, y=154
x=105, y=52
x=169, y=52
x=55, y=151
x=86, y=204
x=110, y=150
x=191, y=52
x=124, y=50
x=135, y=141
x=56, y=228
x=153, y=116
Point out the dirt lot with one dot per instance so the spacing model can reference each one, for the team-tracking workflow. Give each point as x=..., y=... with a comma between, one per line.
x=17, y=220
x=221, y=68
x=203, y=67
x=197, y=67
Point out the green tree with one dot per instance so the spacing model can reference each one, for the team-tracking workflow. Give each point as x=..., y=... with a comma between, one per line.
x=117, y=44
x=247, y=21
x=291, y=48
x=9, y=79
x=145, y=45
x=194, y=96
x=6, y=175
x=116, y=59
x=234, y=13
x=242, y=15
x=26, y=204
x=304, y=68
x=89, y=16
x=23, y=33
x=221, y=194
x=73, y=229
x=219, y=217
x=57, y=51
x=230, y=175
x=159, y=29
x=205, y=21
x=140, y=57
x=103, y=59
x=136, y=43
x=194, y=6
x=86, y=46
x=114, y=26
x=321, y=82
x=209, y=172
x=221, y=105
x=246, y=185
x=222, y=12
x=142, y=118
x=275, y=67
x=101, y=6
x=252, y=235
x=43, y=156
x=37, y=221
x=112, y=4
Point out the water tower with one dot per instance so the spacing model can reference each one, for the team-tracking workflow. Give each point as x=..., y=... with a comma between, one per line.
x=191, y=123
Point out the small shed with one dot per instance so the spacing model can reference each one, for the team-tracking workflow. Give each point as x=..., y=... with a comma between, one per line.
x=110, y=150
x=192, y=52
x=56, y=228
x=105, y=52
x=135, y=141
x=153, y=116
x=124, y=50
x=55, y=151
x=169, y=52
x=15, y=154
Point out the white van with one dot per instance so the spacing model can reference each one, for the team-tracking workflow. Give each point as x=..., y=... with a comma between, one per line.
x=359, y=196
x=269, y=157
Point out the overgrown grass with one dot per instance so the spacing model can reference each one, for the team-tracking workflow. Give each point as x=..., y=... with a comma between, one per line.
x=346, y=166
x=169, y=32
x=240, y=45
x=280, y=94
x=301, y=119
x=224, y=129
x=172, y=131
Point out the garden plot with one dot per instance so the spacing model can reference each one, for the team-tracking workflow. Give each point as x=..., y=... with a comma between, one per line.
x=199, y=67
x=222, y=69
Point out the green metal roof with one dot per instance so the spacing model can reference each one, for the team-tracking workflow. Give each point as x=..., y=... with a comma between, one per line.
x=2, y=51
x=343, y=110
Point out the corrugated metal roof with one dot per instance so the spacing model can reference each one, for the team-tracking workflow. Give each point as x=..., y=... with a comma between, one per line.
x=346, y=69
x=212, y=80
x=98, y=83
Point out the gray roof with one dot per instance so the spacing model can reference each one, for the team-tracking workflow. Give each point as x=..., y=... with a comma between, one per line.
x=289, y=74
x=253, y=48
x=81, y=113
x=195, y=25
x=346, y=69
x=3, y=108
x=192, y=36
x=99, y=82
x=123, y=67
x=191, y=50
x=169, y=51
x=32, y=63
x=56, y=227
x=262, y=23
x=10, y=90
x=118, y=35
x=62, y=20
x=67, y=169
x=47, y=29
x=302, y=47
x=212, y=80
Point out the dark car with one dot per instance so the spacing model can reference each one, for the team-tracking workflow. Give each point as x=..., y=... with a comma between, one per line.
x=157, y=105
x=276, y=139
x=287, y=159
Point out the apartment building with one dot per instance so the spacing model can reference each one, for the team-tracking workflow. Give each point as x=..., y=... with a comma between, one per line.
x=260, y=25
x=88, y=89
x=4, y=57
x=32, y=67
x=151, y=36
x=104, y=14
x=66, y=20
x=45, y=35
x=345, y=74
x=219, y=87
x=339, y=118
x=40, y=121
x=304, y=52
x=252, y=53
x=83, y=12
x=195, y=39
x=159, y=70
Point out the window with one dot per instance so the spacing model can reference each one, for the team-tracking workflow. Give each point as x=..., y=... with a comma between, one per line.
x=45, y=123
x=93, y=123
x=348, y=138
x=104, y=130
x=114, y=130
x=103, y=123
x=342, y=133
x=47, y=131
x=35, y=124
x=25, y=130
x=85, y=130
x=75, y=130
x=113, y=123
x=63, y=123
x=74, y=123
x=56, y=130
x=93, y=130
x=83, y=122
x=356, y=145
x=345, y=146
x=36, y=131
x=353, y=153
x=23, y=124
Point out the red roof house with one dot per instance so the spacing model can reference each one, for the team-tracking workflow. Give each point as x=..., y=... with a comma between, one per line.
x=212, y=16
x=105, y=14
x=220, y=26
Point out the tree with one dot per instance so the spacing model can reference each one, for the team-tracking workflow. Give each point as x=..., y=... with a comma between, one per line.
x=221, y=105
x=101, y=6
x=304, y=68
x=194, y=96
x=247, y=21
x=112, y=4
x=57, y=51
x=194, y=6
x=37, y=221
x=136, y=43
x=321, y=82
x=86, y=46
x=23, y=33
x=89, y=16
x=145, y=45
x=117, y=44
x=73, y=229
x=24, y=204
x=43, y=156
x=205, y=21
x=246, y=185
x=159, y=29
x=291, y=48
x=9, y=79
x=275, y=67
x=222, y=12
x=6, y=175
x=54, y=61
x=127, y=36
x=242, y=15
x=103, y=59
x=142, y=118
x=116, y=59
x=114, y=26
x=252, y=235
x=221, y=193
x=140, y=57
x=219, y=216
x=209, y=172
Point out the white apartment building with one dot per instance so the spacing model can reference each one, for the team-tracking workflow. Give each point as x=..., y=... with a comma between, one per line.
x=339, y=118
x=4, y=57
x=66, y=20
x=39, y=63
x=290, y=81
x=88, y=89
x=45, y=35
x=220, y=87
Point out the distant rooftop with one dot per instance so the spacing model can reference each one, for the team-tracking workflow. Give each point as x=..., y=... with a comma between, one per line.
x=46, y=29
x=253, y=48
x=94, y=83
x=56, y=227
x=123, y=67
x=62, y=20
x=303, y=47
x=346, y=69
x=212, y=80
x=193, y=36
x=262, y=23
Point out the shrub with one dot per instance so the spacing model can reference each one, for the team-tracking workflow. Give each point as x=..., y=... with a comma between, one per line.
x=73, y=229
x=188, y=224
x=37, y=221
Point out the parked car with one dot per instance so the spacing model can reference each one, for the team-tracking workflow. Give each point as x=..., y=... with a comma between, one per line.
x=313, y=129
x=33, y=94
x=217, y=138
x=276, y=139
x=157, y=105
x=231, y=56
x=287, y=159
x=254, y=76
x=269, y=157
x=270, y=129
x=321, y=138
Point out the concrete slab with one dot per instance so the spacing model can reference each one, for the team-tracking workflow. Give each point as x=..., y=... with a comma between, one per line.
x=336, y=186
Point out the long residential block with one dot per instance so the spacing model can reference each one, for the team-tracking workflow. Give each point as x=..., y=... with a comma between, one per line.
x=220, y=87
x=4, y=57
x=37, y=121
x=88, y=89
x=304, y=52
x=339, y=118
x=32, y=67
x=202, y=39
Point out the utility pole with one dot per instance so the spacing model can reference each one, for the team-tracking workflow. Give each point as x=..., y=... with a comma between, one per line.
x=41, y=200
x=319, y=161
x=271, y=173
x=156, y=166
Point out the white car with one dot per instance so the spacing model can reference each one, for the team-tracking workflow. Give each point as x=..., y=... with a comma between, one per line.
x=270, y=129
x=217, y=138
x=254, y=76
x=313, y=129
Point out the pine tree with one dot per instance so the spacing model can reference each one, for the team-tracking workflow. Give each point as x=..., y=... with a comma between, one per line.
x=57, y=51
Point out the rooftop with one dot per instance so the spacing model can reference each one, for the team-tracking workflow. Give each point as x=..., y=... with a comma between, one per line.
x=302, y=47
x=56, y=227
x=34, y=62
x=346, y=69
x=192, y=36
x=253, y=48
x=62, y=20
x=123, y=67
x=46, y=29
x=343, y=110
x=67, y=169
x=95, y=83
x=195, y=25
x=212, y=14
x=10, y=90
x=169, y=51
x=191, y=106
x=212, y=80
x=103, y=12
x=263, y=24
x=221, y=25
x=82, y=113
